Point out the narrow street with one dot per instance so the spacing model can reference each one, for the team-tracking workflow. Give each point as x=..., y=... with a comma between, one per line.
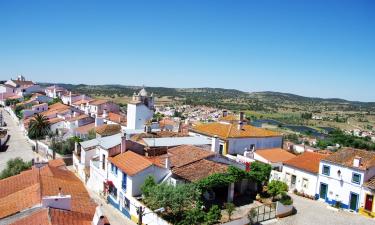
x=17, y=145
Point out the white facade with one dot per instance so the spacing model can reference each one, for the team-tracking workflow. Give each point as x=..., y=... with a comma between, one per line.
x=339, y=184
x=238, y=145
x=303, y=181
x=138, y=115
x=140, y=110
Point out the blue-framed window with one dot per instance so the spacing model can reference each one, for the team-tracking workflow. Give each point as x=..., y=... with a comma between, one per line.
x=114, y=169
x=123, y=183
x=356, y=178
x=326, y=170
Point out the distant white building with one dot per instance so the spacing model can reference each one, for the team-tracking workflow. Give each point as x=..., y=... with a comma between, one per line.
x=18, y=87
x=140, y=110
x=55, y=91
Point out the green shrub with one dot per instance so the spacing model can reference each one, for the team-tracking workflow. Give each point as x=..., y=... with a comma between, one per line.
x=286, y=199
x=14, y=167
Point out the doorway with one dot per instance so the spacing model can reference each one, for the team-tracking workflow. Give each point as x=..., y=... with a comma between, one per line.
x=353, y=201
x=323, y=191
x=369, y=203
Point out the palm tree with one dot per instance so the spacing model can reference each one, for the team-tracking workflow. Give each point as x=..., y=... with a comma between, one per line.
x=39, y=127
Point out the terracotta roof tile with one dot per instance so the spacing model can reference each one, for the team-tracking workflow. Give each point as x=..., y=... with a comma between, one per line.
x=40, y=217
x=116, y=118
x=229, y=130
x=20, y=200
x=131, y=163
x=182, y=155
x=23, y=191
x=275, y=155
x=308, y=161
x=85, y=129
x=346, y=157
x=370, y=183
x=108, y=129
x=200, y=169
x=80, y=117
x=98, y=102
x=79, y=102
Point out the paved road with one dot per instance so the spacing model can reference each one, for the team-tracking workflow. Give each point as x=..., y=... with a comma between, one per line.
x=311, y=212
x=17, y=146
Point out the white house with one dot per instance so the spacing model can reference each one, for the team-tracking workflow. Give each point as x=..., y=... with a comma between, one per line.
x=274, y=157
x=342, y=175
x=238, y=138
x=301, y=173
x=69, y=98
x=55, y=91
x=39, y=108
x=140, y=110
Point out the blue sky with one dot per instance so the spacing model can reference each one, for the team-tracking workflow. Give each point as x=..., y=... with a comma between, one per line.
x=323, y=48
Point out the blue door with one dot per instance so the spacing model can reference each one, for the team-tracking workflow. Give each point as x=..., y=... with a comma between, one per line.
x=323, y=191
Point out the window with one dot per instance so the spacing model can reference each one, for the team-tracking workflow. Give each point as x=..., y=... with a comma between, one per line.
x=114, y=169
x=113, y=191
x=126, y=203
x=305, y=183
x=123, y=183
x=103, y=162
x=326, y=170
x=356, y=178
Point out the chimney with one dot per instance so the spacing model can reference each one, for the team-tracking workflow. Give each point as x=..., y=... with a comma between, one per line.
x=167, y=162
x=357, y=161
x=242, y=116
x=123, y=143
x=240, y=125
x=215, y=145
x=225, y=113
x=59, y=201
x=98, y=218
x=98, y=121
x=105, y=114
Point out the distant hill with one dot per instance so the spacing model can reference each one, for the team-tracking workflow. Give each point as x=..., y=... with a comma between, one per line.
x=229, y=98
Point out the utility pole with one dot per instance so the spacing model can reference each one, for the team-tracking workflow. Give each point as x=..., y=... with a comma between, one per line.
x=140, y=214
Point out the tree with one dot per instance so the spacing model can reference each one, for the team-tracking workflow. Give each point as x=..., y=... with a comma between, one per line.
x=229, y=208
x=39, y=127
x=213, y=215
x=14, y=167
x=91, y=134
x=276, y=188
x=148, y=185
x=174, y=199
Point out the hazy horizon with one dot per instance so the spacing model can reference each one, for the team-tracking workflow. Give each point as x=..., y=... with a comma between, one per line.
x=312, y=48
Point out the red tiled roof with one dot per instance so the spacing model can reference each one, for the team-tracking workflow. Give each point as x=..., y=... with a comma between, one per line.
x=200, y=169
x=24, y=191
x=308, y=161
x=85, y=129
x=108, y=129
x=40, y=217
x=346, y=157
x=98, y=102
x=182, y=155
x=131, y=163
x=229, y=130
x=116, y=118
x=275, y=155
x=80, y=117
